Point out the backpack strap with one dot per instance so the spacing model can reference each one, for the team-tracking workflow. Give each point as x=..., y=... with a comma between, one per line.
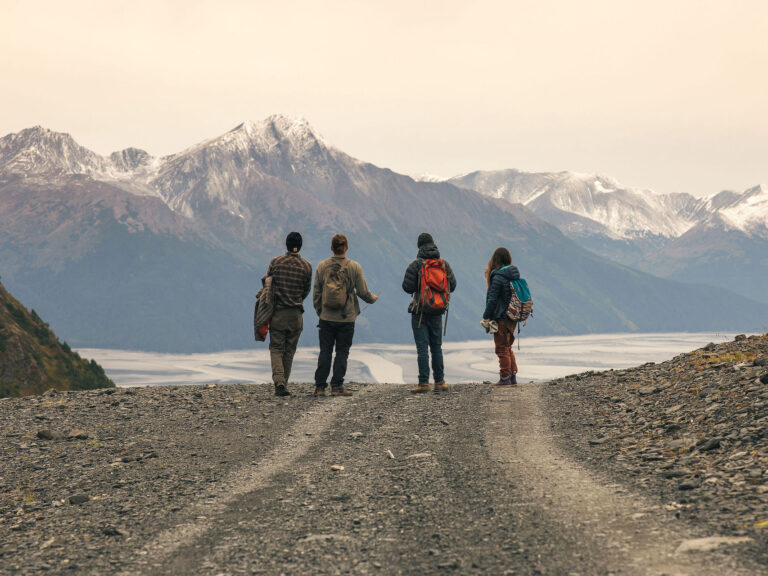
x=417, y=293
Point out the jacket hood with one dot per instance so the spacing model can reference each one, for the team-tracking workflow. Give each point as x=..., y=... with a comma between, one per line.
x=508, y=273
x=429, y=250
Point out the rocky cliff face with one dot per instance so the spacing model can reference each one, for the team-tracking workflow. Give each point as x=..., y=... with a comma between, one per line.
x=33, y=360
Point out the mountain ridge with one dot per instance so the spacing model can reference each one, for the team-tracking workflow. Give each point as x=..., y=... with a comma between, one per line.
x=167, y=256
x=715, y=240
x=588, y=196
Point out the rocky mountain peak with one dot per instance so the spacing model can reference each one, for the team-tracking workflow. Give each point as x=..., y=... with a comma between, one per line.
x=130, y=159
x=38, y=150
x=278, y=130
x=747, y=211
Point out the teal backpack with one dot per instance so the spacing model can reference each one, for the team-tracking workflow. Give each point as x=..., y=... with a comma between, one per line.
x=521, y=302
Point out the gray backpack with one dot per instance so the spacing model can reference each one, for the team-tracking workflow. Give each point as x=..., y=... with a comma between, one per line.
x=336, y=287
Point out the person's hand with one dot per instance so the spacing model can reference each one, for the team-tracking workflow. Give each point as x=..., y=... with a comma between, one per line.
x=375, y=298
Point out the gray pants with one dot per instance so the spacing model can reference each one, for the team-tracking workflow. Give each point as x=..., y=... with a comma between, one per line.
x=284, y=331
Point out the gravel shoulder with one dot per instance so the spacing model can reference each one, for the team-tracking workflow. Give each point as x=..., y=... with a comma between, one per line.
x=690, y=434
x=621, y=530
x=231, y=480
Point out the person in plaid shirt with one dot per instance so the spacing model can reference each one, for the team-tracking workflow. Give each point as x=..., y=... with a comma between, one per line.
x=291, y=282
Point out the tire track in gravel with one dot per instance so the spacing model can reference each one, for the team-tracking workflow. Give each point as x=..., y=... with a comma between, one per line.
x=628, y=534
x=202, y=515
x=439, y=506
x=311, y=520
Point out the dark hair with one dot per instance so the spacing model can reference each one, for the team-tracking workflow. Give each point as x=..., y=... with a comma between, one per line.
x=293, y=242
x=501, y=257
x=338, y=242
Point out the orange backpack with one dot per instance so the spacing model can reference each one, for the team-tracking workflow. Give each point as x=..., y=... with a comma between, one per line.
x=434, y=292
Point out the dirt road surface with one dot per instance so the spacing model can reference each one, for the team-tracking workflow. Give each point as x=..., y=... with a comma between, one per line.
x=230, y=480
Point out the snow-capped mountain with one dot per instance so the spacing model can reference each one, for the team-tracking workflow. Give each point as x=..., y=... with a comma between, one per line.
x=37, y=151
x=584, y=204
x=134, y=251
x=675, y=235
x=221, y=169
x=747, y=212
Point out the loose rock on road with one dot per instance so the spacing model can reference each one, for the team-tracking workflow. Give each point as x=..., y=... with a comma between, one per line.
x=230, y=480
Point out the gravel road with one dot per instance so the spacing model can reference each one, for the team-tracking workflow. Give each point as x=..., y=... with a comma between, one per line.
x=230, y=480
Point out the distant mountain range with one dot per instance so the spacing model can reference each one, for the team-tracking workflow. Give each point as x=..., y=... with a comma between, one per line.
x=720, y=240
x=133, y=251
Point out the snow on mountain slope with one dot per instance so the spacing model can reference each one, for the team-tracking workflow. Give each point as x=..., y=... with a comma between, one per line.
x=613, y=210
x=749, y=211
x=130, y=272
x=588, y=204
x=38, y=150
x=43, y=153
x=219, y=170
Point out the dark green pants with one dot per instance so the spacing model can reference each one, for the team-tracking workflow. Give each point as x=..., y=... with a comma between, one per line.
x=284, y=331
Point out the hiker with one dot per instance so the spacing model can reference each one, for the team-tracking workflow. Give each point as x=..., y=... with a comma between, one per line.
x=291, y=281
x=339, y=282
x=498, y=275
x=430, y=280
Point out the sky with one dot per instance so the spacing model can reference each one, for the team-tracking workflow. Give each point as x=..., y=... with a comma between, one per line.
x=660, y=94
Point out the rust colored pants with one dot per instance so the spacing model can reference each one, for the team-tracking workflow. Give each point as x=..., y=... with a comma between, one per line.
x=503, y=339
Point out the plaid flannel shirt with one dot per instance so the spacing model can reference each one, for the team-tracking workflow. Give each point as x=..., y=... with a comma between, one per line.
x=291, y=280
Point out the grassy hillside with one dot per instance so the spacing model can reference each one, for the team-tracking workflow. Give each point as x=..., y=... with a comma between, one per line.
x=32, y=359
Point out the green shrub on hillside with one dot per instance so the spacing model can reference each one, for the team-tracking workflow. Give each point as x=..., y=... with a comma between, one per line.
x=33, y=360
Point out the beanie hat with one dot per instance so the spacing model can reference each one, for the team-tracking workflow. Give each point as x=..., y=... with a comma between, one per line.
x=424, y=238
x=293, y=242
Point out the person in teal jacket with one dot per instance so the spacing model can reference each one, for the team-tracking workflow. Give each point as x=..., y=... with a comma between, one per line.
x=499, y=273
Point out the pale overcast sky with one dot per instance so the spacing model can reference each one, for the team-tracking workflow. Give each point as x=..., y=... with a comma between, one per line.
x=666, y=94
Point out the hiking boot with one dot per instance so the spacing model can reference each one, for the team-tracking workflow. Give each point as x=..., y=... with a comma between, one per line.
x=319, y=391
x=513, y=380
x=505, y=382
x=421, y=388
x=441, y=386
x=340, y=391
x=281, y=390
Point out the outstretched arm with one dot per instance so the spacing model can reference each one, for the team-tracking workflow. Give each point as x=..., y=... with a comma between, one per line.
x=361, y=287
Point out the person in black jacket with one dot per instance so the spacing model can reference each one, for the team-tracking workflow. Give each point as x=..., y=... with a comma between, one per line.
x=427, y=328
x=498, y=275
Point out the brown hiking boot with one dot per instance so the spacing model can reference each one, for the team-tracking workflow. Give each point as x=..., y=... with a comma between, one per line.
x=319, y=391
x=421, y=388
x=505, y=382
x=441, y=386
x=340, y=391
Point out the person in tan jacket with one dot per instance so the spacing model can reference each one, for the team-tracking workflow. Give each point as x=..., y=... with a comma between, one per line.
x=339, y=282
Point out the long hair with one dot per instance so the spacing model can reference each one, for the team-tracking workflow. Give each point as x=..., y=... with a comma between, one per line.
x=501, y=257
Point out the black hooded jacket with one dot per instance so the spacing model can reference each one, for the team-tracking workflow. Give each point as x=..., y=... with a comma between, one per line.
x=411, y=279
x=498, y=296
